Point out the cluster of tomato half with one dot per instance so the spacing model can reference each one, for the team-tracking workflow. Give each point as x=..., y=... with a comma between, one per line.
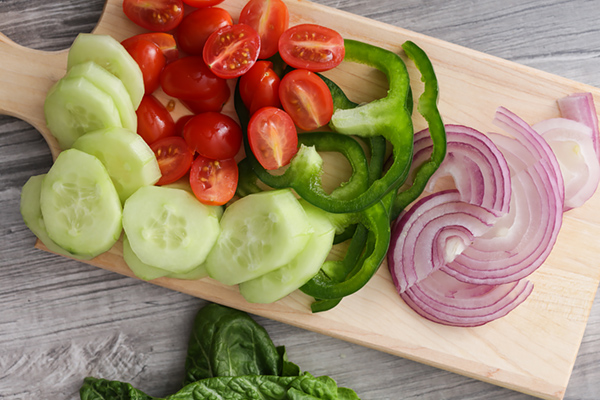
x=192, y=50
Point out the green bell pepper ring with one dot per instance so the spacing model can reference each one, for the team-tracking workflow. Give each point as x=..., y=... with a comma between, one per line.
x=427, y=107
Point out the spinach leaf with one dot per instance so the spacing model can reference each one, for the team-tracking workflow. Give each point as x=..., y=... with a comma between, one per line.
x=228, y=342
x=259, y=387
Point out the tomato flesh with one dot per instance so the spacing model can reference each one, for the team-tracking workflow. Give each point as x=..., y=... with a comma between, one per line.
x=189, y=78
x=311, y=47
x=197, y=26
x=259, y=87
x=151, y=61
x=213, y=135
x=165, y=42
x=174, y=158
x=269, y=18
x=272, y=137
x=214, y=182
x=232, y=50
x=306, y=98
x=154, y=120
x=154, y=15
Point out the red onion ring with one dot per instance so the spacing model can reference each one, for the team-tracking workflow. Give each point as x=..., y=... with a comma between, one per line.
x=432, y=233
x=443, y=299
x=580, y=107
x=520, y=241
x=573, y=144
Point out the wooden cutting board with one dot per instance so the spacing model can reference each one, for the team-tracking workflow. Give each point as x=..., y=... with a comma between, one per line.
x=533, y=349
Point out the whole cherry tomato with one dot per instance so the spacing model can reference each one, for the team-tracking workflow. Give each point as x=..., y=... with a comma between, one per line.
x=174, y=158
x=311, y=47
x=213, y=135
x=197, y=26
x=154, y=120
x=180, y=124
x=259, y=87
x=151, y=61
x=165, y=42
x=232, y=50
x=272, y=137
x=269, y=18
x=306, y=98
x=214, y=103
x=202, y=3
x=189, y=78
x=154, y=15
x=214, y=182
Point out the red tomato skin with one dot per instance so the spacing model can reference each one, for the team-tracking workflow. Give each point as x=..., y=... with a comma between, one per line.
x=154, y=120
x=151, y=61
x=202, y=3
x=328, y=53
x=214, y=103
x=269, y=18
x=214, y=182
x=154, y=15
x=232, y=50
x=180, y=124
x=197, y=26
x=165, y=42
x=259, y=87
x=174, y=158
x=213, y=135
x=190, y=79
x=314, y=107
x=272, y=137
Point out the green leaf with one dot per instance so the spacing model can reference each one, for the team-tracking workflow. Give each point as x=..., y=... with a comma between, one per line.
x=102, y=389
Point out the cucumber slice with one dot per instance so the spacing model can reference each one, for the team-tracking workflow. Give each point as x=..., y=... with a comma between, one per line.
x=32, y=214
x=130, y=162
x=184, y=184
x=108, y=53
x=110, y=84
x=148, y=272
x=277, y=284
x=74, y=106
x=260, y=233
x=169, y=228
x=80, y=206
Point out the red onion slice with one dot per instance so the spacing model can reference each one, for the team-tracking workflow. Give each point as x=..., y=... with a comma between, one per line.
x=521, y=240
x=432, y=233
x=573, y=145
x=443, y=299
x=479, y=170
x=580, y=107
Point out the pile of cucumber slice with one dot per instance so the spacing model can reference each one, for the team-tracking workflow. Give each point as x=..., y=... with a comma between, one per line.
x=102, y=187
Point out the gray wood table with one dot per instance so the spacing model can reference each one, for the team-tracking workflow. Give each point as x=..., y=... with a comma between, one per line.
x=61, y=320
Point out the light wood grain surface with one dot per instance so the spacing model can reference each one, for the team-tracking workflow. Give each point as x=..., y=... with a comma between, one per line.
x=61, y=320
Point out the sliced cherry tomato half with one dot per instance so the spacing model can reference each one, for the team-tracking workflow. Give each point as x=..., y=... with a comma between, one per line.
x=189, y=78
x=306, y=98
x=198, y=25
x=154, y=120
x=202, y=3
x=213, y=135
x=311, y=47
x=232, y=50
x=174, y=158
x=151, y=61
x=269, y=18
x=165, y=42
x=259, y=87
x=214, y=182
x=272, y=137
x=154, y=15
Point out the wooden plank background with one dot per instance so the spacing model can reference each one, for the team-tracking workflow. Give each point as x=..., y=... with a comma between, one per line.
x=62, y=316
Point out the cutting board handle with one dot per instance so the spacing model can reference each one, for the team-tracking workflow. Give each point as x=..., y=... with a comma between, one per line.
x=25, y=77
